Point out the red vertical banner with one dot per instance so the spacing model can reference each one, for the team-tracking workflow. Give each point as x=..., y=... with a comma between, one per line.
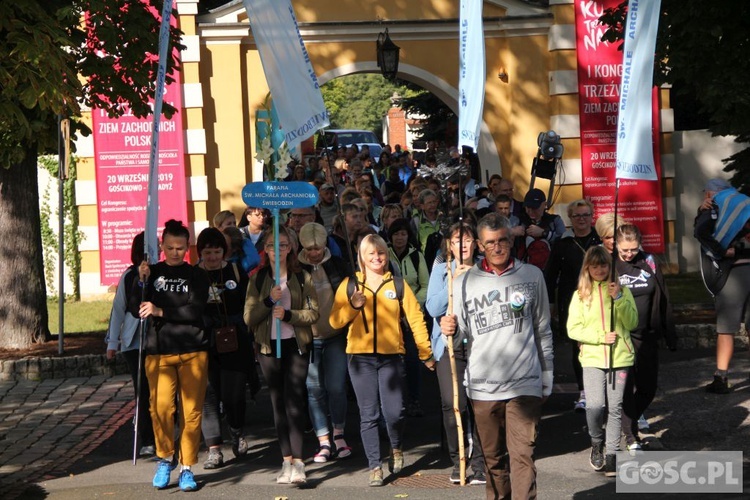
x=121, y=155
x=599, y=77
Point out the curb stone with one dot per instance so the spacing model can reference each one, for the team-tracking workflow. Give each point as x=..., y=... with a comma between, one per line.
x=58, y=368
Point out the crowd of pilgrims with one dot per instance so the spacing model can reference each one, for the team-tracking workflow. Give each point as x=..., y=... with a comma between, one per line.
x=382, y=228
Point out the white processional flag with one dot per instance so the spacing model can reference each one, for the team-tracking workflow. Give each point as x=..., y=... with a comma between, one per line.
x=635, y=150
x=290, y=76
x=472, y=73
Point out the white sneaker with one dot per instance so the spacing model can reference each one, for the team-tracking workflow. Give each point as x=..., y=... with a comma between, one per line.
x=634, y=446
x=642, y=424
x=285, y=476
x=298, y=472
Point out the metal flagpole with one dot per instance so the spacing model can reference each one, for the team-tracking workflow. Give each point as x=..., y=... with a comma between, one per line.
x=151, y=254
x=612, y=326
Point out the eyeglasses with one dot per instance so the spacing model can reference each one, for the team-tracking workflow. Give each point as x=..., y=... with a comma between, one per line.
x=501, y=243
x=467, y=242
x=282, y=247
x=628, y=251
x=580, y=216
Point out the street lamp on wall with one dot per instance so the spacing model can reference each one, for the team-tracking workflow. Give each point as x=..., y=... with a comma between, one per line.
x=387, y=56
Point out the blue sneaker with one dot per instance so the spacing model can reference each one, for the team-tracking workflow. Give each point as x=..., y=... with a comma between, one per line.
x=187, y=481
x=163, y=471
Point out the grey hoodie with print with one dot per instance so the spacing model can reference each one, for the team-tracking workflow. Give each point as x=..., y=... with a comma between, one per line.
x=506, y=321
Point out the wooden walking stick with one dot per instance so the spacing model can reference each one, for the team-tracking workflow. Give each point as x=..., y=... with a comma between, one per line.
x=454, y=377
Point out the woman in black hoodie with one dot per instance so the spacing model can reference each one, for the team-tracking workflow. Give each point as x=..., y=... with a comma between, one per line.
x=176, y=351
x=639, y=272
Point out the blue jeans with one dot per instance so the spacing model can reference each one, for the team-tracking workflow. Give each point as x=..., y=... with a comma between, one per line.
x=326, y=384
x=378, y=382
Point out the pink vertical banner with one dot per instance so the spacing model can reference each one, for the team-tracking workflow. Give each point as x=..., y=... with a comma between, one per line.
x=121, y=154
x=599, y=78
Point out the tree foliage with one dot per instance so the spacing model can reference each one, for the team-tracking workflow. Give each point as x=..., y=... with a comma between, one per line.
x=51, y=63
x=438, y=123
x=702, y=50
x=361, y=102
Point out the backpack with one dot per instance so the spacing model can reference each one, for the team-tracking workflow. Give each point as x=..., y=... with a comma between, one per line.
x=714, y=272
x=536, y=253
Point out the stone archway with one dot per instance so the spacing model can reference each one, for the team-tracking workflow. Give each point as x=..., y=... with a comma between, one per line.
x=488, y=154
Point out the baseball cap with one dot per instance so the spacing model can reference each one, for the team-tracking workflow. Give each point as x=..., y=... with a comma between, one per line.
x=534, y=198
x=717, y=185
x=326, y=186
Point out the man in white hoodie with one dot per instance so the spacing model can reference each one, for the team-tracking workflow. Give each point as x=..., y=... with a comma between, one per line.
x=501, y=309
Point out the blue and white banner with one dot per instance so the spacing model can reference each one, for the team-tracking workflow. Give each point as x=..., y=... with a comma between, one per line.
x=294, y=86
x=472, y=73
x=635, y=149
x=152, y=205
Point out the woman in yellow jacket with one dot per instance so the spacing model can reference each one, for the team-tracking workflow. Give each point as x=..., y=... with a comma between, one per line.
x=605, y=351
x=376, y=365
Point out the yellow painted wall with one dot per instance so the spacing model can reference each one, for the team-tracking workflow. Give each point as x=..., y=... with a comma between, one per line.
x=357, y=10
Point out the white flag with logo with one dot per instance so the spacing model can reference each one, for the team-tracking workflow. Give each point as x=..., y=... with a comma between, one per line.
x=635, y=150
x=290, y=76
x=472, y=73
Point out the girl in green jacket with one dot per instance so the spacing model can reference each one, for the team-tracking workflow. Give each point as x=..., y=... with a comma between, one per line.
x=606, y=350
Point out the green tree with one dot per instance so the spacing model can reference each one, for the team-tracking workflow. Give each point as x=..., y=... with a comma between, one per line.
x=359, y=101
x=439, y=122
x=702, y=50
x=51, y=64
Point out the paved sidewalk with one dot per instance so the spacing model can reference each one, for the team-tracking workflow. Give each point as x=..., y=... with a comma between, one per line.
x=47, y=426
x=72, y=439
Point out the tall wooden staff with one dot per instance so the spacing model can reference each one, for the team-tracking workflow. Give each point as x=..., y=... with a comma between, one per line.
x=454, y=377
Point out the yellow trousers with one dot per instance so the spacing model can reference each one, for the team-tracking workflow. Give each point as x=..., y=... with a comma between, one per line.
x=169, y=376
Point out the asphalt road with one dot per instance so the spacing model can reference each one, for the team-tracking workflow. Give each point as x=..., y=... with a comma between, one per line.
x=683, y=417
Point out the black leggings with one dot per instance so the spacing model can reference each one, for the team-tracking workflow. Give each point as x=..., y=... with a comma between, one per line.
x=640, y=388
x=227, y=386
x=286, y=377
